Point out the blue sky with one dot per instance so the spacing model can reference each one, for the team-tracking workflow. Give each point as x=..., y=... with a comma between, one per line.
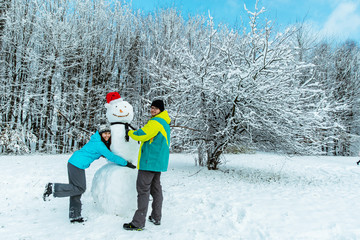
x=338, y=18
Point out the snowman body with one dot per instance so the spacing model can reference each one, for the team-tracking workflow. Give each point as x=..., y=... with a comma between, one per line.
x=113, y=186
x=120, y=146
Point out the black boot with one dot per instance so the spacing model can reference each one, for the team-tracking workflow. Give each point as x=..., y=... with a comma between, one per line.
x=48, y=191
x=131, y=227
x=77, y=220
x=154, y=221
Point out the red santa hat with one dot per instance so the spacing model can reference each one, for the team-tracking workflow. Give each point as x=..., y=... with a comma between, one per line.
x=112, y=96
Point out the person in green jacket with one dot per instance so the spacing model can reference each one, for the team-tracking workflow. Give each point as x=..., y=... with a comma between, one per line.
x=153, y=159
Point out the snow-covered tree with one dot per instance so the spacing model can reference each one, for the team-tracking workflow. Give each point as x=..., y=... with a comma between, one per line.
x=232, y=89
x=246, y=88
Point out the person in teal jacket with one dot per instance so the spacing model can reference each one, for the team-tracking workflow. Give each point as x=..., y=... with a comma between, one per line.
x=99, y=145
x=153, y=159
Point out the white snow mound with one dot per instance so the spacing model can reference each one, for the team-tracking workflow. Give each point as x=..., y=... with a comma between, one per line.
x=114, y=189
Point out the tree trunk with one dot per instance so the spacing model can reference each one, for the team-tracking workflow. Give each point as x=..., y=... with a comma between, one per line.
x=213, y=156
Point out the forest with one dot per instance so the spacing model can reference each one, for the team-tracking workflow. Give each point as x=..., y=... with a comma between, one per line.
x=227, y=89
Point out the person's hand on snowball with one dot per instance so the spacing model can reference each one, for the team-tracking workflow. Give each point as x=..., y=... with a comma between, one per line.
x=130, y=165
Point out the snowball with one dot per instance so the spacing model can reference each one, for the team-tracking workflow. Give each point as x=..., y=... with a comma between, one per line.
x=114, y=189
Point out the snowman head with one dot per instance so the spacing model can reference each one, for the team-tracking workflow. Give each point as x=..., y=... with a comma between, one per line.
x=118, y=110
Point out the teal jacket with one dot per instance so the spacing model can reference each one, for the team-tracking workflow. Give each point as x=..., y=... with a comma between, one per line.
x=92, y=151
x=155, y=143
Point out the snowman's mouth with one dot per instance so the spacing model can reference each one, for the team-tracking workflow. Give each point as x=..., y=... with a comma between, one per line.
x=121, y=116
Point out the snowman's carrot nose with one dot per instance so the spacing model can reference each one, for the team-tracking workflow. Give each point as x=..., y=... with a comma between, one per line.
x=121, y=111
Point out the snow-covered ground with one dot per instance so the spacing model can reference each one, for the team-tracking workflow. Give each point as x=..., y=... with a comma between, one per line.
x=259, y=196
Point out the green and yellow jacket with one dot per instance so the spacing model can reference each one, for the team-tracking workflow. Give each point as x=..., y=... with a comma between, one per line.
x=155, y=142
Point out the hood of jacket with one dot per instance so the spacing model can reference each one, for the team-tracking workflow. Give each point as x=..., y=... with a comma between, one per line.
x=164, y=115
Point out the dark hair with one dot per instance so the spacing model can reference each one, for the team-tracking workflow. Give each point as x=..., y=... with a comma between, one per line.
x=107, y=143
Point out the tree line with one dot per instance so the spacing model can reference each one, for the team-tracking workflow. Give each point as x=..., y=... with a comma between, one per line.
x=226, y=89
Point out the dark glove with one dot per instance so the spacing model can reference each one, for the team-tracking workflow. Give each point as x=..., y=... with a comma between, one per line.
x=130, y=165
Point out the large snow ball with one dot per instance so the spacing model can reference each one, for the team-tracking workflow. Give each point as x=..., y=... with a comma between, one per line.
x=114, y=189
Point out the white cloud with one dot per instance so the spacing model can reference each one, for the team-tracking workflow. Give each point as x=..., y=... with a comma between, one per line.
x=343, y=22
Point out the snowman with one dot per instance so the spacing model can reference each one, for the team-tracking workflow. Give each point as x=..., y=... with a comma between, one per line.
x=113, y=186
x=120, y=114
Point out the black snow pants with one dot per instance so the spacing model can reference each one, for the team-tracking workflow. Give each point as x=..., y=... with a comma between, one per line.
x=74, y=189
x=148, y=183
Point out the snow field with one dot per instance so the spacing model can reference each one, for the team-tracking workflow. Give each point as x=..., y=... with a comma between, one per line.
x=259, y=196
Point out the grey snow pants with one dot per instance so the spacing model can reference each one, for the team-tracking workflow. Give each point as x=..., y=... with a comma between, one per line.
x=148, y=183
x=74, y=189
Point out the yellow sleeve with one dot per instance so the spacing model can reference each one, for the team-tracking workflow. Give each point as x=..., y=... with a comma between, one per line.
x=150, y=130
